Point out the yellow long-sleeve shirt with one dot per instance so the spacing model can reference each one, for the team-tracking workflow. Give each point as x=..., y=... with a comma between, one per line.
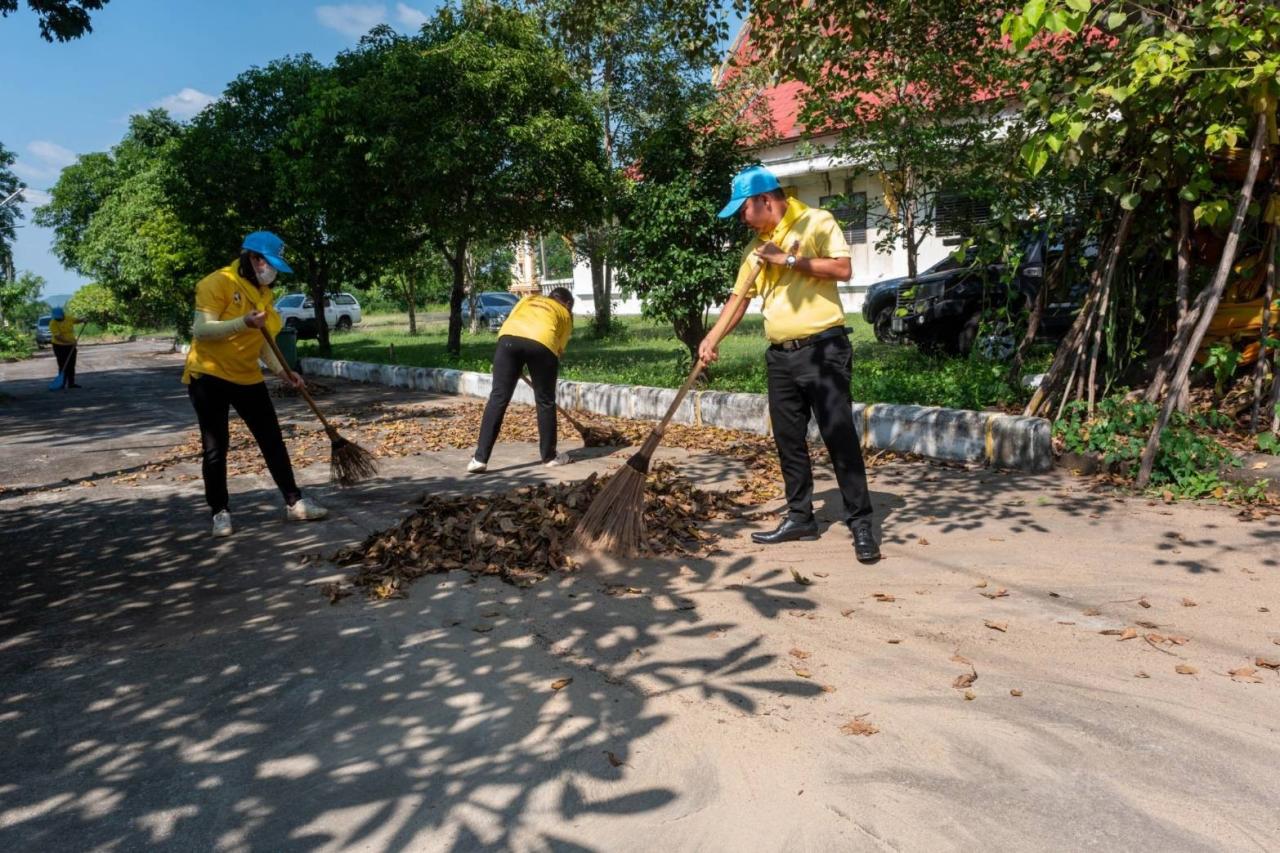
x=541, y=319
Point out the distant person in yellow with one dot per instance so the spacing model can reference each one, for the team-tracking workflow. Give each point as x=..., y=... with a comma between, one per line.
x=809, y=360
x=534, y=336
x=62, y=334
x=233, y=305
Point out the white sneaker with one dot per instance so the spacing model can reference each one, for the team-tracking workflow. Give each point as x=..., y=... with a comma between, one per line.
x=561, y=459
x=222, y=524
x=306, y=509
x=475, y=466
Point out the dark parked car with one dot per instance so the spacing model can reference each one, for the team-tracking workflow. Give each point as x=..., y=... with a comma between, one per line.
x=494, y=306
x=946, y=309
x=43, y=336
x=881, y=300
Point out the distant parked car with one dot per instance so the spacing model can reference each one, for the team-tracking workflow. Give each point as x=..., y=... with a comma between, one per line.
x=43, y=336
x=494, y=306
x=297, y=310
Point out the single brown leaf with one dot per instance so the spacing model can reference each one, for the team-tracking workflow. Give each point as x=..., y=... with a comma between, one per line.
x=969, y=695
x=1142, y=623
x=1142, y=602
x=1093, y=611
x=561, y=683
x=894, y=642
x=803, y=673
x=800, y=579
x=883, y=597
x=1246, y=674
x=1129, y=634
x=613, y=759
x=1114, y=632
x=1015, y=692
x=1185, y=669
x=999, y=593
x=859, y=727
x=798, y=653
x=1178, y=641
x=847, y=612
x=1268, y=662
x=924, y=541
x=822, y=574
x=1140, y=674
x=980, y=585
x=1264, y=609
x=965, y=680
x=827, y=688
x=1187, y=602
x=959, y=658
x=1002, y=627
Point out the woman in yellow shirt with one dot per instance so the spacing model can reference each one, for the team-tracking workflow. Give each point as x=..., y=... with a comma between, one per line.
x=534, y=336
x=233, y=305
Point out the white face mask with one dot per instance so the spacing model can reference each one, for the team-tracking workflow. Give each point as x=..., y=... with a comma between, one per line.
x=266, y=274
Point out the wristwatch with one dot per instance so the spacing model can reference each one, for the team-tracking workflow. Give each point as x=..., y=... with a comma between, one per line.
x=791, y=261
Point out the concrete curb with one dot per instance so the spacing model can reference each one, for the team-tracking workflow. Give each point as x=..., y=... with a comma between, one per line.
x=952, y=435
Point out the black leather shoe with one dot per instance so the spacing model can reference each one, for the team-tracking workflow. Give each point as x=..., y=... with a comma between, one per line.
x=788, y=531
x=864, y=544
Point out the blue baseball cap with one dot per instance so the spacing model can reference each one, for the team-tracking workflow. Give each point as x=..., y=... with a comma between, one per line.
x=751, y=181
x=58, y=314
x=269, y=246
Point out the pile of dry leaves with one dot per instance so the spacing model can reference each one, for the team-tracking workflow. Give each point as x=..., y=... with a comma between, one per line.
x=521, y=536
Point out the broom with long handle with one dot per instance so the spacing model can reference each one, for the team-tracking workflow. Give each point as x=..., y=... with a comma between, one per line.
x=349, y=463
x=592, y=435
x=614, y=523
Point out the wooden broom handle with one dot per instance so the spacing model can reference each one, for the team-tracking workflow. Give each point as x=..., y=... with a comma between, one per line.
x=306, y=395
x=559, y=407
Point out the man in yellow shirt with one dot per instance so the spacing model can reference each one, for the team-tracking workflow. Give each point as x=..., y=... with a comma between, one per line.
x=534, y=336
x=62, y=335
x=809, y=357
x=233, y=306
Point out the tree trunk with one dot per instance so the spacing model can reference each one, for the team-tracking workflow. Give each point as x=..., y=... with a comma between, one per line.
x=906, y=215
x=1037, y=312
x=1269, y=295
x=598, y=288
x=410, y=284
x=473, y=297
x=1108, y=276
x=691, y=328
x=458, y=263
x=1186, y=312
x=1214, y=292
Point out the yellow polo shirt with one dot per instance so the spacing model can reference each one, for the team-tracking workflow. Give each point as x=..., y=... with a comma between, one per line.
x=62, y=332
x=796, y=305
x=225, y=296
x=541, y=319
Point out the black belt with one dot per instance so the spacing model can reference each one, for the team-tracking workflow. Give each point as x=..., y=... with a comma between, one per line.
x=801, y=343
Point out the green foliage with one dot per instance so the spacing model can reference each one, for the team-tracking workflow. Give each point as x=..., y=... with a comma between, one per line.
x=1188, y=462
x=20, y=303
x=1222, y=361
x=674, y=251
x=9, y=214
x=16, y=343
x=114, y=220
x=95, y=303
x=1268, y=442
x=63, y=20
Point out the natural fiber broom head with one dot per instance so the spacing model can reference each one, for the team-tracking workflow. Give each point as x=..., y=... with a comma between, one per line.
x=614, y=523
x=349, y=463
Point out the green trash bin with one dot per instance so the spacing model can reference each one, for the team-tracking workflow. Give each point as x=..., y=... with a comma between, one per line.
x=287, y=340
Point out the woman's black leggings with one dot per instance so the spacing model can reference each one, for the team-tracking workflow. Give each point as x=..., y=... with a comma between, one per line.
x=212, y=399
x=510, y=359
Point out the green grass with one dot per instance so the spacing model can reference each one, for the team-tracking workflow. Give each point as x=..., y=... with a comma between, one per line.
x=642, y=352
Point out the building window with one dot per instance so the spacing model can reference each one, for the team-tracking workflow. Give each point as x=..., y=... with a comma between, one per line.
x=850, y=210
x=955, y=214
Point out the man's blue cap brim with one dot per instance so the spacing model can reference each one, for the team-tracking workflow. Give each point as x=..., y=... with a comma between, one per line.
x=731, y=208
x=278, y=262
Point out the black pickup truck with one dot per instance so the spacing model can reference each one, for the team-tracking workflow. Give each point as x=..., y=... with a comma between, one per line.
x=944, y=308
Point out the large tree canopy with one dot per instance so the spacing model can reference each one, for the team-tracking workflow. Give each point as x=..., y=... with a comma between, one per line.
x=63, y=20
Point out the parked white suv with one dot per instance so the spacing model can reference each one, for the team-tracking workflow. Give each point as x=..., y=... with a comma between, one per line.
x=341, y=311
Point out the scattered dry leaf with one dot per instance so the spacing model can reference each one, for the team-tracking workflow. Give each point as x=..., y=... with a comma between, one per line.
x=847, y=612
x=1114, y=632
x=980, y=585
x=859, y=726
x=959, y=658
x=822, y=574
x=1093, y=611
x=334, y=591
x=1268, y=662
x=883, y=597
x=827, y=688
x=798, y=653
x=999, y=593
x=1185, y=669
x=561, y=683
x=800, y=579
x=924, y=541
x=803, y=673
x=1002, y=627
x=894, y=642
x=1142, y=602
x=1246, y=674
x=1142, y=623
x=1128, y=634
x=1187, y=602
x=1140, y=674
x=965, y=680
x=1178, y=641
x=613, y=759
x=969, y=695
x=1015, y=692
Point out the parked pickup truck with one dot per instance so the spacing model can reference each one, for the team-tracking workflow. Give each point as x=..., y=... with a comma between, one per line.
x=943, y=309
x=297, y=310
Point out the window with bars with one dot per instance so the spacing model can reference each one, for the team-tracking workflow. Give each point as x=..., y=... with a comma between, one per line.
x=955, y=214
x=850, y=210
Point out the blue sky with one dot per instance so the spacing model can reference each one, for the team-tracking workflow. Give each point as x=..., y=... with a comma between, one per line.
x=60, y=100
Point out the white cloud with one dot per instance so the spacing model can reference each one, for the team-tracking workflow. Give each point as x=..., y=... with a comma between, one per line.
x=46, y=161
x=352, y=19
x=410, y=17
x=185, y=103
x=35, y=198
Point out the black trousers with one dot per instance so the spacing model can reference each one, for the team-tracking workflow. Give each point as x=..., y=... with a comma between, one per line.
x=512, y=356
x=66, y=357
x=815, y=379
x=212, y=399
